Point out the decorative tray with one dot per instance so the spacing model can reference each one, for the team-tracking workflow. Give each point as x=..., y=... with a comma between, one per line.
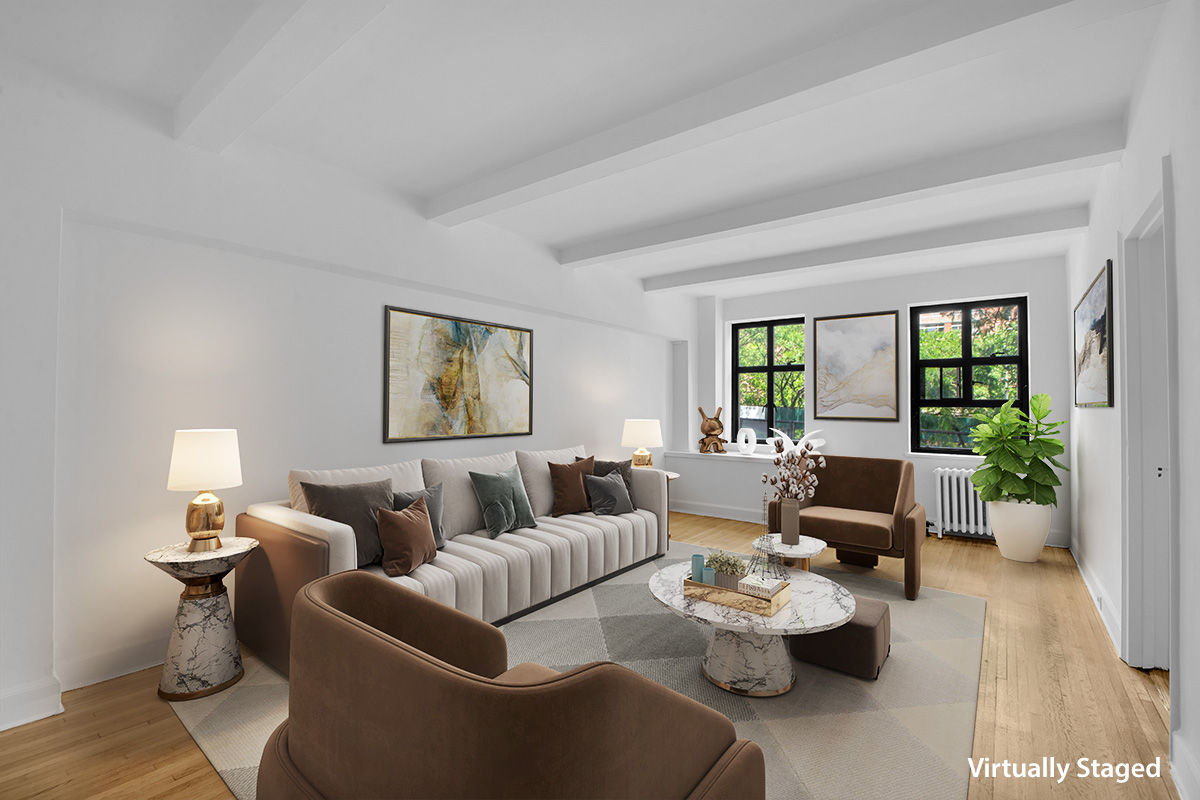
x=739, y=600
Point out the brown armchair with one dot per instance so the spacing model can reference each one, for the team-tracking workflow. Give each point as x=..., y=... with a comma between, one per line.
x=866, y=508
x=392, y=694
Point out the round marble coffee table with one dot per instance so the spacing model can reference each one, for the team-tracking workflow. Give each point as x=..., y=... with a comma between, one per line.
x=747, y=654
x=806, y=548
x=202, y=655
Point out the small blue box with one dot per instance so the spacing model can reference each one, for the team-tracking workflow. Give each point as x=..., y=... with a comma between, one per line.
x=698, y=567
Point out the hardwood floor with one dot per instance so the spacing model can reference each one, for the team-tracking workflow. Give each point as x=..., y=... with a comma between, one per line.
x=116, y=739
x=1050, y=684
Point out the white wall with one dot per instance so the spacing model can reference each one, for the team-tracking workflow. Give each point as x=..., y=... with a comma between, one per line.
x=111, y=231
x=1097, y=489
x=731, y=487
x=1164, y=120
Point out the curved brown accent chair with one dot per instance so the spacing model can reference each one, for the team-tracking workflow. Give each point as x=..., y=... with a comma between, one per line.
x=866, y=508
x=393, y=694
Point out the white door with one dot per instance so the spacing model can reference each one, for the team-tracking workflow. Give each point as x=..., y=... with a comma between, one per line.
x=1148, y=449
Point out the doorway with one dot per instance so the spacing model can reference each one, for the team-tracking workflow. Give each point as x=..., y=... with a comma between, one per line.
x=1148, y=398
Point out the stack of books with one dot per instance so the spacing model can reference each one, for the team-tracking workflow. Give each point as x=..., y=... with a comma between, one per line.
x=758, y=586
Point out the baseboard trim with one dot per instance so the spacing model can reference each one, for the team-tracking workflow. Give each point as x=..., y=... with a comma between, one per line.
x=112, y=664
x=717, y=510
x=30, y=702
x=1185, y=770
x=1103, y=603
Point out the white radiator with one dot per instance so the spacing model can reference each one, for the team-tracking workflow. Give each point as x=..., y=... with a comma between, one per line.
x=959, y=510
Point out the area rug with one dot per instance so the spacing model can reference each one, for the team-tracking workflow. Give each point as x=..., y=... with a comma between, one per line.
x=906, y=735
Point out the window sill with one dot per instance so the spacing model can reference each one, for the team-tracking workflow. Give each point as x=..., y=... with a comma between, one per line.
x=753, y=458
x=972, y=456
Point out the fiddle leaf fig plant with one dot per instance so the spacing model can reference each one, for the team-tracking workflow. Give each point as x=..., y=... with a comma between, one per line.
x=1019, y=451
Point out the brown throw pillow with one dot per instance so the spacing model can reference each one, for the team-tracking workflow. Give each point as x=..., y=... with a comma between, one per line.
x=567, y=479
x=407, y=538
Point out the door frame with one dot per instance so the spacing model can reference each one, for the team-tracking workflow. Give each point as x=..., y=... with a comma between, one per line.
x=1149, y=586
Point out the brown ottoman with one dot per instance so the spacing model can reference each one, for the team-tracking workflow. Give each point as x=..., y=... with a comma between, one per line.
x=859, y=647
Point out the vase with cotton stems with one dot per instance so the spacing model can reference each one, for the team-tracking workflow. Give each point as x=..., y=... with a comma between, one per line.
x=795, y=482
x=1017, y=478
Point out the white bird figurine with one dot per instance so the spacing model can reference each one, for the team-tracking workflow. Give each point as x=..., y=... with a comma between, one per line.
x=788, y=444
x=808, y=437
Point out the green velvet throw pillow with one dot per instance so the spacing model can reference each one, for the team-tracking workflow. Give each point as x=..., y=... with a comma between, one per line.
x=503, y=499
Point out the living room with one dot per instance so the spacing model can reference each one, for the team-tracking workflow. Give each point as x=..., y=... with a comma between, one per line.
x=211, y=204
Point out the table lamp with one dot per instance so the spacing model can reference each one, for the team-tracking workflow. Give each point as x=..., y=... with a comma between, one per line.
x=642, y=433
x=201, y=461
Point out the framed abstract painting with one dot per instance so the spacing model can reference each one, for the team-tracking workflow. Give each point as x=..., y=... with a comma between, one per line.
x=450, y=378
x=855, y=367
x=1093, y=343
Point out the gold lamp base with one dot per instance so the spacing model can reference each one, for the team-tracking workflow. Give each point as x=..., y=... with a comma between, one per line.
x=205, y=521
x=642, y=458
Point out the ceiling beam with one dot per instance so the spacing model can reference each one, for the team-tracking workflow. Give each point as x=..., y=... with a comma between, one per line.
x=935, y=37
x=1082, y=147
x=280, y=45
x=1044, y=223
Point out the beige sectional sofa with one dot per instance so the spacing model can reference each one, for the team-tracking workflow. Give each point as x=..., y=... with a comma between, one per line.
x=492, y=579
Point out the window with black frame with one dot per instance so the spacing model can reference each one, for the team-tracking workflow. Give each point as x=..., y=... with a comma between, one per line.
x=965, y=357
x=768, y=377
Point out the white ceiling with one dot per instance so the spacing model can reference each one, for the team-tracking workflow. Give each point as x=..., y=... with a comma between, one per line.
x=703, y=146
x=151, y=49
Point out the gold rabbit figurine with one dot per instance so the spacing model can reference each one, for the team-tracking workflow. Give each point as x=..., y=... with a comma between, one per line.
x=712, y=428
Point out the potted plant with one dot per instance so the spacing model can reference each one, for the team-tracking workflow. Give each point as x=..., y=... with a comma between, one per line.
x=727, y=569
x=1017, y=478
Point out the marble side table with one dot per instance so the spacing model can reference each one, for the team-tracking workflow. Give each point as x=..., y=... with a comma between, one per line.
x=203, y=656
x=747, y=654
x=807, y=548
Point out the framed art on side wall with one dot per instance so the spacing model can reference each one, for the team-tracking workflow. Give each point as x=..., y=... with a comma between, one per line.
x=855, y=367
x=449, y=378
x=1093, y=343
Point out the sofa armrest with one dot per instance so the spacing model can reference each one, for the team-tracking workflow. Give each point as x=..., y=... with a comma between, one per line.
x=267, y=582
x=343, y=550
x=650, y=494
x=906, y=498
x=914, y=537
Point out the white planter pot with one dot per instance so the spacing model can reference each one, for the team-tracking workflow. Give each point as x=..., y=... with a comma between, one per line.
x=1021, y=529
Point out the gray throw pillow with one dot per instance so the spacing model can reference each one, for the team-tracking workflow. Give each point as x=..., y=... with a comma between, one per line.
x=503, y=499
x=602, y=468
x=433, y=504
x=609, y=495
x=356, y=505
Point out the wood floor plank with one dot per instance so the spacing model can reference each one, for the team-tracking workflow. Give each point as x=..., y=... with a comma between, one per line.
x=115, y=739
x=1050, y=684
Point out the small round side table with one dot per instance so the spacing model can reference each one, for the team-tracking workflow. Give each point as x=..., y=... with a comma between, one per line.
x=203, y=656
x=807, y=548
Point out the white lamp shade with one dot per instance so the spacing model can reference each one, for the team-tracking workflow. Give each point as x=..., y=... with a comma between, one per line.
x=642, y=433
x=205, y=459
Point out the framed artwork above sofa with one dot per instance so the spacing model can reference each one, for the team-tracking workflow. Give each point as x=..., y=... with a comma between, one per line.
x=449, y=378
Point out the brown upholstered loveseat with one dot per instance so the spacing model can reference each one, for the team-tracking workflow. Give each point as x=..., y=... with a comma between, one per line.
x=393, y=694
x=866, y=508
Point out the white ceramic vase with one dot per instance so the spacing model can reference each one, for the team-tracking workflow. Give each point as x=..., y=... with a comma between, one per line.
x=1021, y=529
